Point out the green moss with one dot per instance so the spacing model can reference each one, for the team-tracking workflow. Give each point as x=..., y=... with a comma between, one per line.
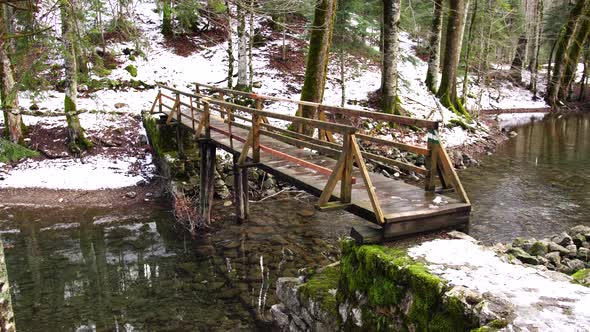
x=319, y=286
x=131, y=69
x=582, y=277
x=13, y=152
x=389, y=278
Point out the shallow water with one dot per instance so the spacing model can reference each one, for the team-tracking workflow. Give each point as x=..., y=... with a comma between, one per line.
x=536, y=184
x=103, y=270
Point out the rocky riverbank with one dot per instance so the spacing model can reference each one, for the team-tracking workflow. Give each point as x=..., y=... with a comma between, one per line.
x=567, y=252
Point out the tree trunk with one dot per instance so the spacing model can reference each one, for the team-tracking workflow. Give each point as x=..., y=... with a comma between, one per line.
x=166, y=18
x=573, y=53
x=242, y=49
x=342, y=78
x=230, y=48
x=434, y=47
x=517, y=62
x=318, y=57
x=562, y=44
x=251, y=46
x=468, y=54
x=8, y=89
x=77, y=140
x=582, y=95
x=534, y=66
x=391, y=17
x=447, y=91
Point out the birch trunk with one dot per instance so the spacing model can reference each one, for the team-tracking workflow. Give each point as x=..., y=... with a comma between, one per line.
x=230, y=48
x=242, y=49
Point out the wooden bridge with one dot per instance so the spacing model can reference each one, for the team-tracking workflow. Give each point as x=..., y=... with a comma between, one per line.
x=321, y=155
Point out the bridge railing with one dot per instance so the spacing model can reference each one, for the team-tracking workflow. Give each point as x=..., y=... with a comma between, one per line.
x=437, y=161
x=194, y=110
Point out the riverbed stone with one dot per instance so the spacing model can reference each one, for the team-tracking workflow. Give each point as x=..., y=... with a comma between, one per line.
x=582, y=277
x=552, y=246
x=563, y=239
x=572, y=250
x=279, y=316
x=554, y=258
x=579, y=239
x=523, y=256
x=580, y=229
x=584, y=254
x=538, y=248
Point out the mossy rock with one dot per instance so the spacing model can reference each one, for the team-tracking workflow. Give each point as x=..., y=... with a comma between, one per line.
x=389, y=278
x=321, y=287
x=132, y=70
x=582, y=277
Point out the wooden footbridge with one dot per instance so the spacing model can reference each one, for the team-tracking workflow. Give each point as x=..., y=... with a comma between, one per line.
x=321, y=155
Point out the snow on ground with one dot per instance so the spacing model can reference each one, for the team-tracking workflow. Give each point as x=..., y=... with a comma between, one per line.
x=92, y=173
x=542, y=300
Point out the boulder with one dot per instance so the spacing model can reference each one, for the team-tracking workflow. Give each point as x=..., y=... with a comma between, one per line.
x=584, y=254
x=572, y=250
x=538, y=248
x=552, y=246
x=523, y=256
x=554, y=258
x=579, y=239
x=580, y=229
x=562, y=239
x=576, y=265
x=279, y=316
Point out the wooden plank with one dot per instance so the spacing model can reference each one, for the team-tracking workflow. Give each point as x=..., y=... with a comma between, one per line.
x=332, y=180
x=365, y=234
x=448, y=168
x=401, y=146
x=329, y=206
x=449, y=220
x=245, y=149
x=346, y=180
x=155, y=102
x=365, y=174
x=431, y=165
x=402, y=120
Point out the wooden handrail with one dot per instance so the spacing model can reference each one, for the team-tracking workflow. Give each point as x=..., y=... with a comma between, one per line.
x=402, y=120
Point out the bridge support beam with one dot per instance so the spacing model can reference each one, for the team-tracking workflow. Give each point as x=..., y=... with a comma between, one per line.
x=241, y=190
x=207, y=179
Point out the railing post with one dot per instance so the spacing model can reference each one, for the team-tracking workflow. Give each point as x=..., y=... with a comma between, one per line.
x=256, y=137
x=206, y=120
x=222, y=98
x=299, y=113
x=160, y=101
x=346, y=181
x=179, y=127
x=192, y=113
x=431, y=159
x=198, y=92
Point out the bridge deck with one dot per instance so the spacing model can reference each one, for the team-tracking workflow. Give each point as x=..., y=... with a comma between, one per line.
x=407, y=208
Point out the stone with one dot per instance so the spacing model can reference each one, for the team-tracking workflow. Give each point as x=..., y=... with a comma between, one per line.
x=306, y=212
x=575, y=265
x=286, y=292
x=583, y=254
x=554, y=258
x=120, y=105
x=579, y=239
x=562, y=239
x=523, y=256
x=580, y=229
x=142, y=140
x=131, y=194
x=34, y=107
x=538, y=248
x=552, y=246
x=572, y=250
x=269, y=183
x=279, y=316
x=512, y=134
x=586, y=244
x=461, y=236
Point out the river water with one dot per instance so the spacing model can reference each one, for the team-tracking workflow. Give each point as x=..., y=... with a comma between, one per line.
x=536, y=184
x=128, y=270
x=104, y=270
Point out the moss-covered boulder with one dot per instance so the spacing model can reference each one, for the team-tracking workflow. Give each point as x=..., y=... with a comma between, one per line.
x=582, y=277
x=14, y=152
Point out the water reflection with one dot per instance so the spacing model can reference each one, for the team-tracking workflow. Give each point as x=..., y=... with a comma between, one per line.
x=101, y=270
x=536, y=184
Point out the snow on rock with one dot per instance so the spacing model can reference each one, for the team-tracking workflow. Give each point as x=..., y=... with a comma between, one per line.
x=541, y=300
x=92, y=173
